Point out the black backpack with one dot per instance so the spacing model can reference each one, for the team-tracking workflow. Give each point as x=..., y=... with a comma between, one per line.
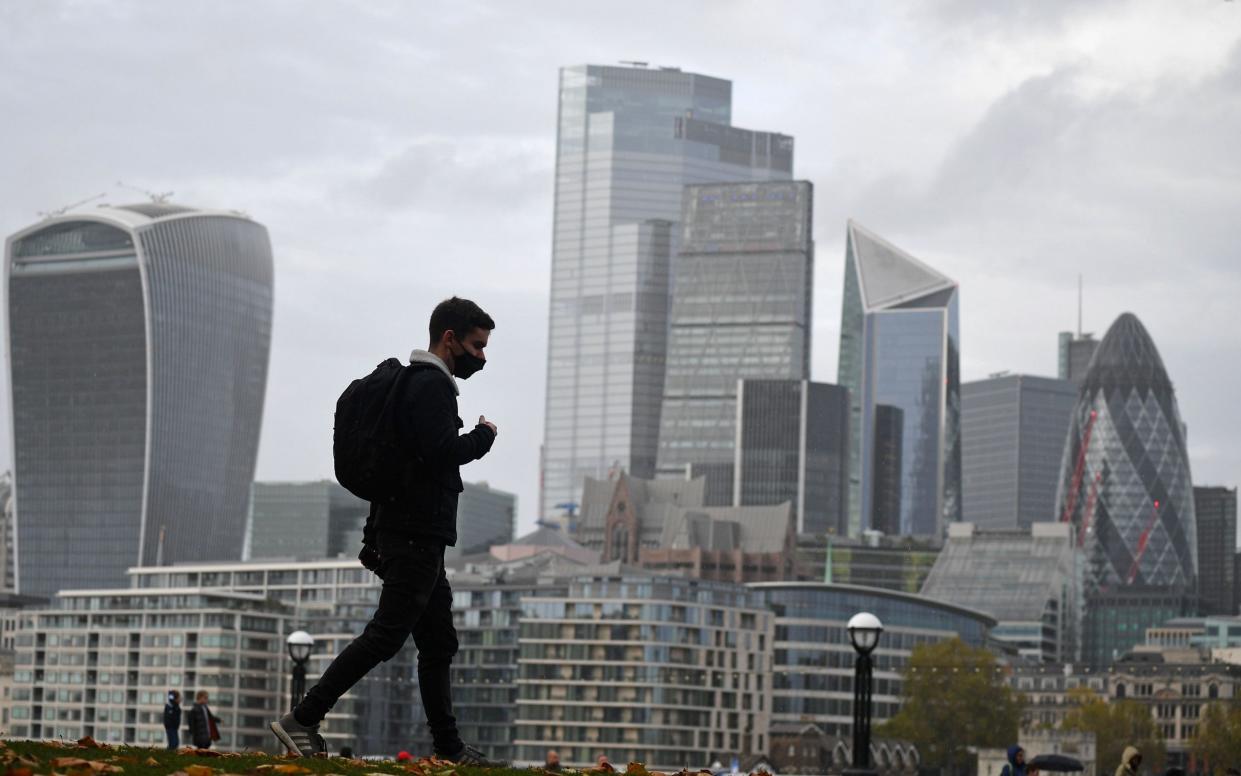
x=366, y=449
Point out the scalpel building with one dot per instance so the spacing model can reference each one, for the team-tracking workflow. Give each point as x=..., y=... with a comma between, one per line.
x=138, y=341
x=899, y=358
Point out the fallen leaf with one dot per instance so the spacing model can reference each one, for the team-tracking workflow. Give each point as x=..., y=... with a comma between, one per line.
x=635, y=769
x=20, y=772
x=102, y=767
x=70, y=762
x=287, y=769
x=199, y=770
x=89, y=743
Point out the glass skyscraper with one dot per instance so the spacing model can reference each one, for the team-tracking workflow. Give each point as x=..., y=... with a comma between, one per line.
x=900, y=347
x=793, y=445
x=1125, y=478
x=741, y=310
x=1125, y=486
x=1215, y=510
x=1012, y=439
x=629, y=140
x=138, y=340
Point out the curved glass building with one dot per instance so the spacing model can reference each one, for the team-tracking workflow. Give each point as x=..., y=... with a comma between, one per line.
x=1125, y=487
x=813, y=668
x=138, y=339
x=1125, y=481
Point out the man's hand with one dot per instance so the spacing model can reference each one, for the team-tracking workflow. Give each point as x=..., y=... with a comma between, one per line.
x=482, y=421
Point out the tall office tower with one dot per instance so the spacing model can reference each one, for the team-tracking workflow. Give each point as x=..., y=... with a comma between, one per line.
x=629, y=140
x=899, y=346
x=7, y=581
x=793, y=445
x=304, y=520
x=1215, y=509
x=741, y=310
x=138, y=340
x=485, y=516
x=1125, y=484
x=1076, y=350
x=1012, y=439
x=885, y=458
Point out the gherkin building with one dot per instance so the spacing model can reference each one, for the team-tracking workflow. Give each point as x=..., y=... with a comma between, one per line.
x=1125, y=482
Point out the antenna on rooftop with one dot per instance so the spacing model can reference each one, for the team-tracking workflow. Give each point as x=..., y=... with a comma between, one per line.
x=62, y=210
x=158, y=197
x=634, y=63
x=1079, y=305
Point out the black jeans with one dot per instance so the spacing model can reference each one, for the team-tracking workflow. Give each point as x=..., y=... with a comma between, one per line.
x=415, y=599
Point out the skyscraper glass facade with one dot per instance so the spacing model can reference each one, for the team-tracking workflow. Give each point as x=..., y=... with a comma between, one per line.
x=1125, y=479
x=1125, y=486
x=900, y=346
x=629, y=139
x=1215, y=510
x=743, y=281
x=139, y=338
x=792, y=445
x=1012, y=439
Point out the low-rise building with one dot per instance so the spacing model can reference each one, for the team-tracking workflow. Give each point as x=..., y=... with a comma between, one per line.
x=899, y=563
x=1175, y=686
x=814, y=658
x=1023, y=578
x=662, y=525
x=102, y=664
x=667, y=671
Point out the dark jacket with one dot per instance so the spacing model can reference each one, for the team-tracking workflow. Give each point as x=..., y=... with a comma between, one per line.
x=200, y=721
x=429, y=430
x=172, y=715
x=1013, y=769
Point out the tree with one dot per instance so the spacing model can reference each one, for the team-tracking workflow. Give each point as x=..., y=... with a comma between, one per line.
x=953, y=696
x=1115, y=726
x=1219, y=736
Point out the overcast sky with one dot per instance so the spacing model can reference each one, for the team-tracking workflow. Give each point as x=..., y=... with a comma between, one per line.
x=403, y=152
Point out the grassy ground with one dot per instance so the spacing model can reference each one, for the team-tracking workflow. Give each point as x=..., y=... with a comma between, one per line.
x=87, y=758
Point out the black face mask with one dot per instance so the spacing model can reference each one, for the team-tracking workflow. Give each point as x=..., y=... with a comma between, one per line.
x=466, y=364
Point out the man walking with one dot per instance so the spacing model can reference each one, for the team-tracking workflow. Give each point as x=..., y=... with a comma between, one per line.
x=405, y=545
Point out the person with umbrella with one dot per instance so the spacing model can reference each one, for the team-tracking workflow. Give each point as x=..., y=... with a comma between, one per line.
x=1055, y=763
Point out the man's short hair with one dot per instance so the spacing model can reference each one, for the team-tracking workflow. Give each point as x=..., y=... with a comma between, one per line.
x=461, y=316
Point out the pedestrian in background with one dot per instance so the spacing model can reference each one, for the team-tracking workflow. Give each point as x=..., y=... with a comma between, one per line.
x=172, y=719
x=204, y=726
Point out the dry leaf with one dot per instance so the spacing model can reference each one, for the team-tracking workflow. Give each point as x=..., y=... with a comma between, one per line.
x=287, y=769
x=199, y=770
x=89, y=743
x=20, y=772
x=635, y=769
x=102, y=767
x=70, y=762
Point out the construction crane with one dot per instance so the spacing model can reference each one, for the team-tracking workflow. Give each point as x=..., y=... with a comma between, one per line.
x=1088, y=512
x=1142, y=541
x=1070, y=501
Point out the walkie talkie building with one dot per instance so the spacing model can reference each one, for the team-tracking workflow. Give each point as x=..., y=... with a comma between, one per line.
x=138, y=342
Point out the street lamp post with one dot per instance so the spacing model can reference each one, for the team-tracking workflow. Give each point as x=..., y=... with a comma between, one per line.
x=864, y=629
x=300, y=644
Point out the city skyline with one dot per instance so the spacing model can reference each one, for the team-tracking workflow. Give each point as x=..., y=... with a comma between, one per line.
x=1057, y=156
